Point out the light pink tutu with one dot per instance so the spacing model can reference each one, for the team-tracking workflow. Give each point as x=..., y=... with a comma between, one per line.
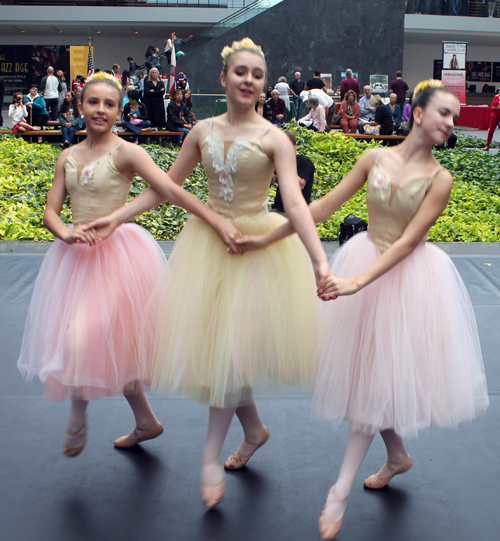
x=83, y=322
x=404, y=352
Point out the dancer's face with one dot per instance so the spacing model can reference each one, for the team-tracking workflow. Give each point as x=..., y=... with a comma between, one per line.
x=100, y=107
x=439, y=117
x=245, y=78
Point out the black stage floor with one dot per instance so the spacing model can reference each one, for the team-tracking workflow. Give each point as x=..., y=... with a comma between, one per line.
x=151, y=493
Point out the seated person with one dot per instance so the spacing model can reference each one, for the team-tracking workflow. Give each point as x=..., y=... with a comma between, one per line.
x=69, y=118
x=315, y=119
x=178, y=116
x=305, y=170
x=188, y=102
x=366, y=111
x=324, y=99
x=395, y=111
x=349, y=110
x=263, y=108
x=135, y=116
x=407, y=110
x=278, y=108
x=383, y=117
x=35, y=104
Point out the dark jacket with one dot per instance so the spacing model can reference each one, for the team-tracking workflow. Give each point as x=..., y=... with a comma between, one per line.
x=396, y=115
x=384, y=117
x=142, y=110
x=268, y=114
x=174, y=114
x=277, y=107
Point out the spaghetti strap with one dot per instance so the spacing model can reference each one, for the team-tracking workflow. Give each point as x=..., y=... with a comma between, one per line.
x=378, y=156
x=211, y=123
x=265, y=132
x=436, y=171
x=117, y=147
x=71, y=151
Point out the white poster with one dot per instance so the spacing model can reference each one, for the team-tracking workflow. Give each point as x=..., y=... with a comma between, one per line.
x=454, y=55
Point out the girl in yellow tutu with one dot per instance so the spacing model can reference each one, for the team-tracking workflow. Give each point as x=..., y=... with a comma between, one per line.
x=216, y=324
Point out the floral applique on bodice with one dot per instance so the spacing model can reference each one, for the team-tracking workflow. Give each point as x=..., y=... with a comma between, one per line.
x=96, y=188
x=239, y=179
x=391, y=208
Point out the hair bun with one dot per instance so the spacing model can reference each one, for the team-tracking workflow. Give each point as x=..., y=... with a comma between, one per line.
x=245, y=43
x=428, y=83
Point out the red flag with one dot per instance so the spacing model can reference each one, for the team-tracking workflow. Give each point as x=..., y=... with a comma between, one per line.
x=173, y=71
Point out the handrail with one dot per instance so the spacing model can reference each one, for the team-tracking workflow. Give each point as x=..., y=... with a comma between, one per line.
x=134, y=3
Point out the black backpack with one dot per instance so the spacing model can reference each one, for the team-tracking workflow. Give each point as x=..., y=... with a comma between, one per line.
x=350, y=226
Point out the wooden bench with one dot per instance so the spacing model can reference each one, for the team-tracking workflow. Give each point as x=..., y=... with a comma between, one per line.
x=83, y=133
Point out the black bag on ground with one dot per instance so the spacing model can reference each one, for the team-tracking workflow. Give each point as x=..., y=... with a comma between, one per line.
x=350, y=226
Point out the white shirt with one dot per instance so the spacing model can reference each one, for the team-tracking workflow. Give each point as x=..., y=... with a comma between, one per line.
x=324, y=99
x=284, y=89
x=51, y=85
x=16, y=114
x=363, y=114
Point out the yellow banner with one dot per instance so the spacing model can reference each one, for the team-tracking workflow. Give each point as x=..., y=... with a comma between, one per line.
x=78, y=60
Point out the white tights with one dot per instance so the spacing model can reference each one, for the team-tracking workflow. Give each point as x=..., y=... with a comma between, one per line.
x=218, y=425
x=358, y=444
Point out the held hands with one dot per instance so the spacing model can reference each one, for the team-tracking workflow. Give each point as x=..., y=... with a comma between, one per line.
x=251, y=243
x=79, y=235
x=336, y=287
x=103, y=227
x=229, y=233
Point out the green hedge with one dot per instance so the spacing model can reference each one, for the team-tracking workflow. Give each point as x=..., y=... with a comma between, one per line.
x=473, y=213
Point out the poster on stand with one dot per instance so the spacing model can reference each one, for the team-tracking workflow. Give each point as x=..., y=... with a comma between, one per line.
x=454, y=80
x=454, y=55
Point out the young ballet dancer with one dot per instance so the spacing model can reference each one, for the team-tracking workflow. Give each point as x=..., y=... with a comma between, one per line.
x=399, y=349
x=217, y=323
x=81, y=335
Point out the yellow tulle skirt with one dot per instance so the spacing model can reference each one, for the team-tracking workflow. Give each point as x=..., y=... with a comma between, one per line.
x=218, y=324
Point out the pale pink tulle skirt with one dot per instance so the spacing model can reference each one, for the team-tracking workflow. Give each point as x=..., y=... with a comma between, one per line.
x=82, y=328
x=403, y=353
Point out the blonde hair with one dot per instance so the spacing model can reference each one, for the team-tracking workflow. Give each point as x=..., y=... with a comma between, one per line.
x=246, y=44
x=104, y=78
x=375, y=100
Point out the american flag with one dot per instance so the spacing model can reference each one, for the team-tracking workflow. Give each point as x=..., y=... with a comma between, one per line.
x=90, y=63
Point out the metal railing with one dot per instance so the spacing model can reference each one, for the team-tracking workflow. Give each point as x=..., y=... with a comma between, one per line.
x=134, y=3
x=458, y=8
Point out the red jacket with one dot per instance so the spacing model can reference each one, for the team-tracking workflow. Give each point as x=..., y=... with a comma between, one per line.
x=495, y=111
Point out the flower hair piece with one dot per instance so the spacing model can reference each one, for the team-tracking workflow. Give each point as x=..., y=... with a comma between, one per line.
x=101, y=75
x=428, y=83
x=245, y=43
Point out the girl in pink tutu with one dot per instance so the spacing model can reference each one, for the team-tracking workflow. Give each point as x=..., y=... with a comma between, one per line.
x=217, y=324
x=81, y=335
x=399, y=350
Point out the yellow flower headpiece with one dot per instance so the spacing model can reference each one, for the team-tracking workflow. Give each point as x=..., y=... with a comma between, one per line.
x=101, y=75
x=428, y=83
x=245, y=43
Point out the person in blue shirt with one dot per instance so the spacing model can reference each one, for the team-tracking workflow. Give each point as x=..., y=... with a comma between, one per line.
x=35, y=104
x=395, y=111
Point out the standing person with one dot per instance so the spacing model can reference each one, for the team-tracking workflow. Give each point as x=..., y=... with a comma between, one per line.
x=212, y=334
x=400, y=88
x=453, y=63
x=366, y=111
x=18, y=113
x=349, y=110
x=69, y=118
x=494, y=119
x=2, y=92
x=399, y=350
x=154, y=90
x=296, y=87
x=50, y=87
x=116, y=70
x=284, y=90
x=349, y=83
x=315, y=82
x=278, y=108
x=64, y=88
x=178, y=116
x=305, y=171
x=126, y=81
x=132, y=66
x=82, y=329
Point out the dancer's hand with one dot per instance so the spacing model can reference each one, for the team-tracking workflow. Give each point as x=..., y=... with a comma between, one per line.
x=103, y=227
x=79, y=236
x=322, y=272
x=252, y=242
x=336, y=287
x=228, y=233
